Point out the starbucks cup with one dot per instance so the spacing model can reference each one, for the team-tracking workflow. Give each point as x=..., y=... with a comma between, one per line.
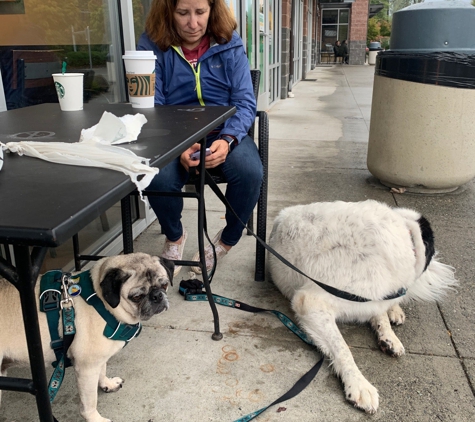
x=140, y=75
x=69, y=87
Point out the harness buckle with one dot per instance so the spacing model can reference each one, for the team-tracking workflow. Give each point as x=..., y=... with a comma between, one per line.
x=56, y=344
x=50, y=301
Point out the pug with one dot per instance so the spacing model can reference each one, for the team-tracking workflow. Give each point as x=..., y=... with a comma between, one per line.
x=132, y=288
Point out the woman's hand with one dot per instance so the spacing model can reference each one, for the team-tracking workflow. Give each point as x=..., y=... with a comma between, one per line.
x=219, y=151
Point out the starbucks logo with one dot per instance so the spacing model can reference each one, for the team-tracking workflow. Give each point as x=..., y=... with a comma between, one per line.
x=141, y=85
x=60, y=89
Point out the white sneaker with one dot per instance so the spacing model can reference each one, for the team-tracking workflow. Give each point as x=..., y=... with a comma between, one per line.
x=220, y=252
x=174, y=251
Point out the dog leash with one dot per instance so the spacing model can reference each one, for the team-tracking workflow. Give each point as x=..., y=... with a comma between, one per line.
x=192, y=290
x=53, y=298
x=332, y=290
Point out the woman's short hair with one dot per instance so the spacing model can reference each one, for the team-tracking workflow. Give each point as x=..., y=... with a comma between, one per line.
x=160, y=25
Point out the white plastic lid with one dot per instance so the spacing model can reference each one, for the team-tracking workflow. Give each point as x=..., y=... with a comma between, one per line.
x=139, y=54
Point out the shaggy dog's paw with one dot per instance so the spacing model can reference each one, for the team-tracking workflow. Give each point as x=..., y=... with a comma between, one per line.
x=391, y=346
x=96, y=417
x=396, y=315
x=111, y=385
x=362, y=395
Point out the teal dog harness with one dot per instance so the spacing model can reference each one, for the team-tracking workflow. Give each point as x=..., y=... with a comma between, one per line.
x=57, y=290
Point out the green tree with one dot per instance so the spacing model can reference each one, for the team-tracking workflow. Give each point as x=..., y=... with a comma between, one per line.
x=373, y=30
x=379, y=25
x=55, y=17
x=384, y=28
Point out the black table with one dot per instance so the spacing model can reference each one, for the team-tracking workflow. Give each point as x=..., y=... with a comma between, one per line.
x=44, y=204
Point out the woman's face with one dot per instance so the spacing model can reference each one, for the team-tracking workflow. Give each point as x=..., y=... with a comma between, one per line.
x=191, y=20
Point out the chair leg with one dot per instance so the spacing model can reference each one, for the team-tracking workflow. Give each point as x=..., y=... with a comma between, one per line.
x=250, y=224
x=77, y=255
x=104, y=222
x=260, y=268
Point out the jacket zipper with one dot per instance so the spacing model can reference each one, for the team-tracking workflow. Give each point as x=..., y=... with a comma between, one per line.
x=196, y=72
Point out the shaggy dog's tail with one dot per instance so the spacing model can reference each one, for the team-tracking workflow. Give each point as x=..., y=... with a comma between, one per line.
x=434, y=282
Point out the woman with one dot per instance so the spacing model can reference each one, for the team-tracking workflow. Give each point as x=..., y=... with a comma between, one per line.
x=343, y=51
x=336, y=48
x=201, y=61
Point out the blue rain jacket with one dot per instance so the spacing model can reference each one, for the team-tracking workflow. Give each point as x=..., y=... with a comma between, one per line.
x=221, y=77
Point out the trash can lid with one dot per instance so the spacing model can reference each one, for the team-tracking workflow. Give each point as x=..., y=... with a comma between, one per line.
x=434, y=26
x=375, y=45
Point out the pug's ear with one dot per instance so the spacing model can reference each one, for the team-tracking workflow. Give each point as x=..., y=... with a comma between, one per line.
x=169, y=266
x=111, y=285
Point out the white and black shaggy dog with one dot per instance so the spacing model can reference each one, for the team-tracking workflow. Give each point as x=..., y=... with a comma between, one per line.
x=367, y=249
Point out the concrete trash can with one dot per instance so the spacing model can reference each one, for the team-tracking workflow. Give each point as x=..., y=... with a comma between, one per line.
x=374, y=49
x=422, y=135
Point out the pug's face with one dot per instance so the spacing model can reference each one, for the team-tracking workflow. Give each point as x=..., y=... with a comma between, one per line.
x=134, y=285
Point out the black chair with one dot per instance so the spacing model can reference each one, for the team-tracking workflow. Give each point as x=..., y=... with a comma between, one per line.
x=263, y=146
x=32, y=80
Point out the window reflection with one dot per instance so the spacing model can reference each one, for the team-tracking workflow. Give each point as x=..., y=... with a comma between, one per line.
x=34, y=44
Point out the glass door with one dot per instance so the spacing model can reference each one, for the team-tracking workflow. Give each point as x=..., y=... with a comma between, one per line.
x=275, y=25
x=297, y=42
x=310, y=59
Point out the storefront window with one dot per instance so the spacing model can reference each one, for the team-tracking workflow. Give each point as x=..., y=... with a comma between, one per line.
x=329, y=16
x=250, y=34
x=334, y=27
x=35, y=40
x=344, y=15
x=84, y=34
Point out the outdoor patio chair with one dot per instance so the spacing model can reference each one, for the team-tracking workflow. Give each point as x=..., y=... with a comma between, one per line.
x=263, y=146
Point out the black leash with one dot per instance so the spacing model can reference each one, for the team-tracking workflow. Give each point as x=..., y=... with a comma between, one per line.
x=192, y=290
x=332, y=290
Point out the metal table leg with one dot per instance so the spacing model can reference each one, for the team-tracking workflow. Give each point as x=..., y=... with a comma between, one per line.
x=127, y=234
x=128, y=237
x=24, y=279
x=217, y=335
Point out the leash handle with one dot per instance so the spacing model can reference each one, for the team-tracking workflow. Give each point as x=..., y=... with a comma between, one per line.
x=298, y=387
x=197, y=288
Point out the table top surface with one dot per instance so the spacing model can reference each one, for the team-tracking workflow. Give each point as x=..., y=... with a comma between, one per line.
x=45, y=204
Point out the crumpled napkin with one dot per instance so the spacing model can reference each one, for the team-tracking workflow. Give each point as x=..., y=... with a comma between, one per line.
x=96, y=148
x=113, y=130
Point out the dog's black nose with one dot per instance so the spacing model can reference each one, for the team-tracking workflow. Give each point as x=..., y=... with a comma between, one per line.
x=156, y=295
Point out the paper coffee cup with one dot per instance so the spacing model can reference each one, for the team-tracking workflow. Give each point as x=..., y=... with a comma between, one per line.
x=140, y=75
x=69, y=87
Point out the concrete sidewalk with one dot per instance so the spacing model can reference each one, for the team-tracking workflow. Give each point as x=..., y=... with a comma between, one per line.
x=175, y=372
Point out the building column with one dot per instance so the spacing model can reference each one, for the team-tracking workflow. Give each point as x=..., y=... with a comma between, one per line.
x=285, y=46
x=358, y=32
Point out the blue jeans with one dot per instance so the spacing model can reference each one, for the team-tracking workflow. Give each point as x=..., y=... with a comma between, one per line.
x=243, y=172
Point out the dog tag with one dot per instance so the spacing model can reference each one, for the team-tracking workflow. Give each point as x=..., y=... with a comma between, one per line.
x=74, y=290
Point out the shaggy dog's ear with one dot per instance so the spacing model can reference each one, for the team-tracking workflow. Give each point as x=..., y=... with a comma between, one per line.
x=428, y=239
x=169, y=266
x=111, y=285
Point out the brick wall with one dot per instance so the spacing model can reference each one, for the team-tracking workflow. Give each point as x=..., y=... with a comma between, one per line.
x=358, y=30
